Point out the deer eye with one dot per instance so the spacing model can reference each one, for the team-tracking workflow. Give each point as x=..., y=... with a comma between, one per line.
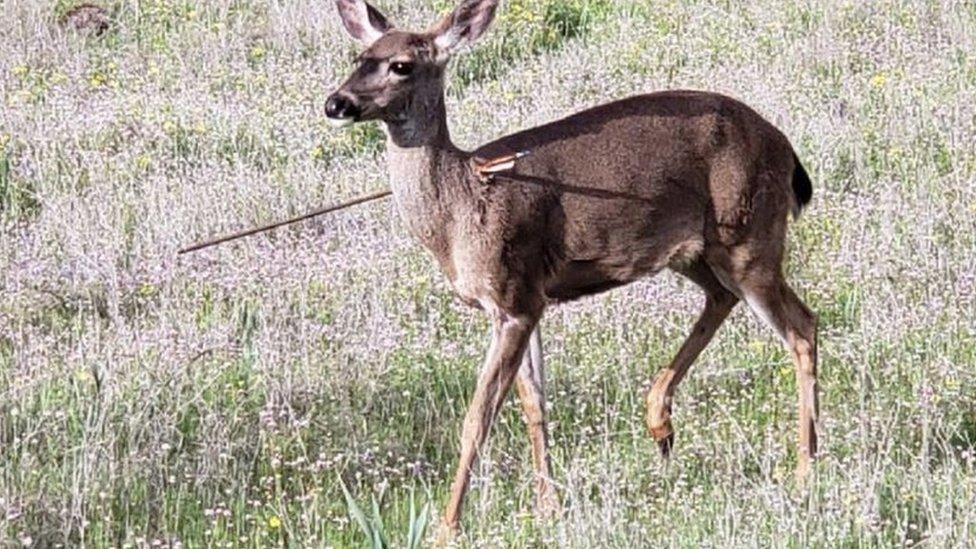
x=401, y=68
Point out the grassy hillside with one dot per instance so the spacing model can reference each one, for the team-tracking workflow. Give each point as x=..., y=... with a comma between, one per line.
x=217, y=399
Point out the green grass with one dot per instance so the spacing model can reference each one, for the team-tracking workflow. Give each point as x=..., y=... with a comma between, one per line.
x=526, y=28
x=17, y=199
x=218, y=399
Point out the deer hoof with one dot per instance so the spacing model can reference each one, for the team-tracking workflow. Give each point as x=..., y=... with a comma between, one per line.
x=803, y=472
x=659, y=425
x=666, y=444
x=548, y=506
x=659, y=413
x=447, y=534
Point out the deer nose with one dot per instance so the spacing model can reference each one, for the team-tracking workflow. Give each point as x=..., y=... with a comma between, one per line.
x=341, y=108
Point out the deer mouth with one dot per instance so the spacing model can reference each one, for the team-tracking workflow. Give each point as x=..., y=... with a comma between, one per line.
x=340, y=122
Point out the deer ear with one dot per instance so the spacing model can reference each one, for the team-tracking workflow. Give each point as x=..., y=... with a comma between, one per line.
x=364, y=22
x=464, y=26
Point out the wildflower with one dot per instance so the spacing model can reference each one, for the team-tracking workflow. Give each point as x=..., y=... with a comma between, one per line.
x=257, y=53
x=20, y=70
x=97, y=80
x=318, y=152
x=274, y=522
x=142, y=162
x=879, y=80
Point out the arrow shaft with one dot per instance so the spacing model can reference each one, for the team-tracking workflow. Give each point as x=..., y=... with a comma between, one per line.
x=292, y=221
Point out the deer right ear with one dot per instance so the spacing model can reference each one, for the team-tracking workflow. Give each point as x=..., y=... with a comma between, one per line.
x=364, y=22
x=468, y=22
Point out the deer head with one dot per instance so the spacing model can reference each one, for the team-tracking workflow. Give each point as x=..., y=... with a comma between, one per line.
x=399, y=78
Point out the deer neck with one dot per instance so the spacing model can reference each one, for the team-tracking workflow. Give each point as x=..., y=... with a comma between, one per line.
x=426, y=173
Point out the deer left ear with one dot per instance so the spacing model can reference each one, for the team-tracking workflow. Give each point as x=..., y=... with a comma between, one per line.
x=364, y=22
x=465, y=25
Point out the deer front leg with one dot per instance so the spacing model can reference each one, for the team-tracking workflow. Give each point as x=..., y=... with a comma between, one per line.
x=510, y=335
x=531, y=388
x=718, y=304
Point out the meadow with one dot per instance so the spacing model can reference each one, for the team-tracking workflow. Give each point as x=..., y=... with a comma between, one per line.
x=223, y=398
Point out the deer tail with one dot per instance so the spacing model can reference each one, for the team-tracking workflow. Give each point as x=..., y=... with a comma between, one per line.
x=802, y=187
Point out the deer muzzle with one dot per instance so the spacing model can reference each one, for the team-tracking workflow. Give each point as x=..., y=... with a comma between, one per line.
x=341, y=110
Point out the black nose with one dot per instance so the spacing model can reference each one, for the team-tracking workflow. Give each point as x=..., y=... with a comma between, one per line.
x=339, y=106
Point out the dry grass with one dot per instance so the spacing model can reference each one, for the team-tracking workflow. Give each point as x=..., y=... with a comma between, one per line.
x=215, y=400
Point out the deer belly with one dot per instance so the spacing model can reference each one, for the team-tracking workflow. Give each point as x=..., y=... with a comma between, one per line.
x=576, y=279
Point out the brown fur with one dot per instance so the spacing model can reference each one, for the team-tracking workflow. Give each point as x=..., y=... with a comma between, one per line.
x=87, y=18
x=688, y=180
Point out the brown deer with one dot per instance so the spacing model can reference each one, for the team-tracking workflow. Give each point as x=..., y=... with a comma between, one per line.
x=692, y=181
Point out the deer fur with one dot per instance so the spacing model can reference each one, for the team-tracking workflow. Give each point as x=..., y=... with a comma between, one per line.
x=690, y=181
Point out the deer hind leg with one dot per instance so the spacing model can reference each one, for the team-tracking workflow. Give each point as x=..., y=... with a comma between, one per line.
x=776, y=304
x=530, y=384
x=719, y=302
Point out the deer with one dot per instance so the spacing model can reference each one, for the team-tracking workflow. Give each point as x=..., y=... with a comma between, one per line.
x=691, y=181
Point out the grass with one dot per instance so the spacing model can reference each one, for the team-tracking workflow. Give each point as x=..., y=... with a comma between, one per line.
x=218, y=399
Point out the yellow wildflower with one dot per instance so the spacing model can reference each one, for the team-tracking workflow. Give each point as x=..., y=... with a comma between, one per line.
x=20, y=70
x=879, y=80
x=274, y=522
